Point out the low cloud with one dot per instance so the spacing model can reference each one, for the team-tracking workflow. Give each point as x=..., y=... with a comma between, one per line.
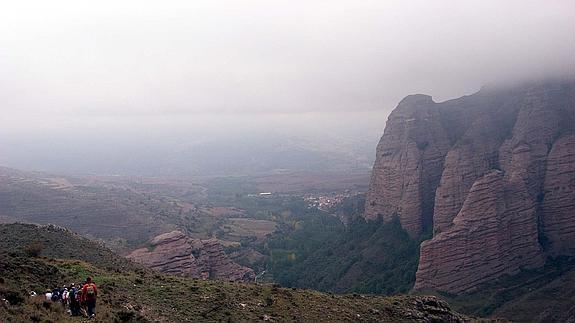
x=246, y=57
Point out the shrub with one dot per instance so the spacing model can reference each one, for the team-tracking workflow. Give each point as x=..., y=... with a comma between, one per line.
x=125, y=316
x=14, y=297
x=34, y=249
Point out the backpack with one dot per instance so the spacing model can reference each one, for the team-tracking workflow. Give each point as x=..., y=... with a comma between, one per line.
x=90, y=291
x=55, y=296
x=72, y=294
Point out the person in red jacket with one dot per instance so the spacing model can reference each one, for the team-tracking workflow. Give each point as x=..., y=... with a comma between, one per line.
x=89, y=295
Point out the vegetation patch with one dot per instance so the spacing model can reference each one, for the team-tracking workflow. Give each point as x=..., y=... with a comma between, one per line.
x=368, y=257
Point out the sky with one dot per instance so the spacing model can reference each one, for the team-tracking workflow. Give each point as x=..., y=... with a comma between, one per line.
x=315, y=68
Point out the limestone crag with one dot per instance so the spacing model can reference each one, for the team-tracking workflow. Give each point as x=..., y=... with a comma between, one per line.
x=559, y=199
x=474, y=153
x=408, y=165
x=477, y=248
x=173, y=253
x=220, y=265
x=170, y=253
x=492, y=175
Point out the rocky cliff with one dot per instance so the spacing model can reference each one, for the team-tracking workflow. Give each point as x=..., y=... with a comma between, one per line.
x=491, y=176
x=175, y=253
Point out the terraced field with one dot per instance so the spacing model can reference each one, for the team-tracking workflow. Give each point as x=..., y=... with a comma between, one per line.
x=244, y=227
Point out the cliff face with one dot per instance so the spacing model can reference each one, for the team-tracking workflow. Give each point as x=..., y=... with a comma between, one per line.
x=492, y=175
x=559, y=203
x=408, y=165
x=173, y=253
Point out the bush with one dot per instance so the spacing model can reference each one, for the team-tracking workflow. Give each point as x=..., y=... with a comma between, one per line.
x=14, y=297
x=34, y=249
x=129, y=316
x=125, y=316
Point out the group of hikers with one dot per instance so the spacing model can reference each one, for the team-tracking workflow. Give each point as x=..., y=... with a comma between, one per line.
x=79, y=300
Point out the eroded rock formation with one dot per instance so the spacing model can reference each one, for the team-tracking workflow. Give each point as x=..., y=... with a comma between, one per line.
x=408, y=165
x=175, y=253
x=492, y=175
x=559, y=199
x=492, y=235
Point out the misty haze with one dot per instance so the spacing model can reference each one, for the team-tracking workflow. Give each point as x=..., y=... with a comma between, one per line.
x=304, y=161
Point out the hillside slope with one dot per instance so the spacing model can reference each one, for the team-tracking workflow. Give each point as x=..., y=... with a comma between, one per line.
x=120, y=216
x=131, y=293
x=551, y=302
x=537, y=295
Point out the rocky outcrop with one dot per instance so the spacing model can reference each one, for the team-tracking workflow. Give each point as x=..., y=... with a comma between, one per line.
x=473, y=155
x=220, y=265
x=492, y=235
x=559, y=199
x=170, y=253
x=408, y=165
x=491, y=174
x=177, y=254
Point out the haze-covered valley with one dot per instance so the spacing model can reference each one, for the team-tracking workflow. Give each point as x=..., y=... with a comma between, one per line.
x=240, y=144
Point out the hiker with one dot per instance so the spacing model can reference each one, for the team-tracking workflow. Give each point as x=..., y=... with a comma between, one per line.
x=80, y=301
x=72, y=301
x=48, y=295
x=89, y=295
x=55, y=294
x=65, y=297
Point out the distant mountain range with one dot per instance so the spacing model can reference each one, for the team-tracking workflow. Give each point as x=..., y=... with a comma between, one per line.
x=199, y=155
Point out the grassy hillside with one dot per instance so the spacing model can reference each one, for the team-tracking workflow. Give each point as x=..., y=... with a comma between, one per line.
x=117, y=215
x=132, y=293
x=60, y=243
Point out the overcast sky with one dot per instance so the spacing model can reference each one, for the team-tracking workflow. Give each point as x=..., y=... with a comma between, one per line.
x=242, y=56
x=80, y=66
